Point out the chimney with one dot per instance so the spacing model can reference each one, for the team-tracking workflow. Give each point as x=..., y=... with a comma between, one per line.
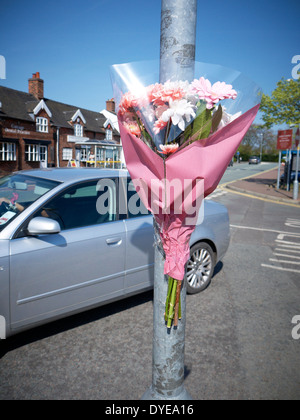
x=110, y=105
x=36, y=86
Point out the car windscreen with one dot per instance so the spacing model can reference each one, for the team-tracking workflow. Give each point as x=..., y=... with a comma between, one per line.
x=19, y=191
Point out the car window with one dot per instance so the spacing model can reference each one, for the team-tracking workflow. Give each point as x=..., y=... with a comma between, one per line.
x=17, y=192
x=85, y=204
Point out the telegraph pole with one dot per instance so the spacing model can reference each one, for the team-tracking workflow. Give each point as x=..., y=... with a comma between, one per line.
x=177, y=62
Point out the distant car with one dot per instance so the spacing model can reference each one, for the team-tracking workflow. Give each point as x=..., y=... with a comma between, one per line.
x=254, y=160
x=60, y=255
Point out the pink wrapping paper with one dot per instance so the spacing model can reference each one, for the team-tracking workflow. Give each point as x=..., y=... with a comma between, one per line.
x=204, y=160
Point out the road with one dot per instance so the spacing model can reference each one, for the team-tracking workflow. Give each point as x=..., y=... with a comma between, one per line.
x=247, y=347
x=243, y=170
x=239, y=342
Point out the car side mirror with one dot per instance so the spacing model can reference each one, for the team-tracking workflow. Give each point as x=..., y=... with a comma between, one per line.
x=43, y=226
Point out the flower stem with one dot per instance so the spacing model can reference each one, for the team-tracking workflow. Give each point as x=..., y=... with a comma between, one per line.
x=179, y=309
x=173, y=303
x=170, y=286
x=177, y=300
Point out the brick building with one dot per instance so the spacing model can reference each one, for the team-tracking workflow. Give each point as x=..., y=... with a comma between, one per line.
x=36, y=131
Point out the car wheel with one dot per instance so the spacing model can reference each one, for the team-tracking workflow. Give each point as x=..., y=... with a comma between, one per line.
x=200, y=267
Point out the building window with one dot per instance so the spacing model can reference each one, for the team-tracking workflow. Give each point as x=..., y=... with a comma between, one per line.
x=36, y=153
x=42, y=125
x=85, y=151
x=43, y=153
x=100, y=154
x=8, y=152
x=67, y=153
x=109, y=134
x=78, y=130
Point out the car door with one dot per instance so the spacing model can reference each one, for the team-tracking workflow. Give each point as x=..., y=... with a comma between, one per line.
x=79, y=267
x=139, y=243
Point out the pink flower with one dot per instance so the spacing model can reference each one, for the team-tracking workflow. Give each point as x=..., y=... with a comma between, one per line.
x=133, y=128
x=168, y=149
x=162, y=94
x=212, y=94
x=159, y=125
x=127, y=104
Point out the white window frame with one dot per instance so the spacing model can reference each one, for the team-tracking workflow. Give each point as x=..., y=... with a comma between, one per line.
x=84, y=153
x=109, y=134
x=43, y=153
x=36, y=153
x=78, y=130
x=100, y=154
x=67, y=153
x=41, y=125
x=8, y=152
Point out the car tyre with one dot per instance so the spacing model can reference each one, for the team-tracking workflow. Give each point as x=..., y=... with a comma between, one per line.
x=200, y=267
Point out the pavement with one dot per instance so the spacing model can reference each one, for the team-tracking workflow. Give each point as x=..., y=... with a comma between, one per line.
x=263, y=185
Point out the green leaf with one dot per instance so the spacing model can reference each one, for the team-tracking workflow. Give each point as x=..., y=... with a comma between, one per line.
x=216, y=119
x=201, y=126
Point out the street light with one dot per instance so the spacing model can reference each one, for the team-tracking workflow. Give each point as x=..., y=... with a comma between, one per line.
x=261, y=134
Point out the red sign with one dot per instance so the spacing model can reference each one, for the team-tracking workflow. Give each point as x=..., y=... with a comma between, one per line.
x=284, y=139
x=297, y=138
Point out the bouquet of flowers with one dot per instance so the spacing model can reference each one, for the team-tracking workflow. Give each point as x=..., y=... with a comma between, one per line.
x=178, y=138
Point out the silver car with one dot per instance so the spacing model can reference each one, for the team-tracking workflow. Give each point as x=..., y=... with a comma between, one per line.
x=61, y=254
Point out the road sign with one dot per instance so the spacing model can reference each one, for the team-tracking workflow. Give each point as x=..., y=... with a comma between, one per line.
x=297, y=138
x=284, y=139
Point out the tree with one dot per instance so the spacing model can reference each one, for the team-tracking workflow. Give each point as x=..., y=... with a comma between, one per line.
x=258, y=139
x=283, y=106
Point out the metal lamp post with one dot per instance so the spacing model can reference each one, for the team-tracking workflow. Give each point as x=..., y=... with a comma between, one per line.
x=178, y=38
x=296, y=182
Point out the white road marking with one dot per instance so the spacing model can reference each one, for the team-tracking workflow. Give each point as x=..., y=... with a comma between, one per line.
x=287, y=250
x=291, y=244
x=287, y=256
x=288, y=246
x=216, y=194
x=297, y=235
x=285, y=246
x=284, y=261
x=280, y=268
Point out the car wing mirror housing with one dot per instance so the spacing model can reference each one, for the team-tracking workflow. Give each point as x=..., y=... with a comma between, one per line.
x=43, y=226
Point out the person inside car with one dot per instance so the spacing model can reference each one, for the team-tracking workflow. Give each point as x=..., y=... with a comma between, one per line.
x=12, y=204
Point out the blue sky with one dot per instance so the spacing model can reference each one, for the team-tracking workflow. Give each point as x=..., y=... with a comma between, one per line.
x=73, y=43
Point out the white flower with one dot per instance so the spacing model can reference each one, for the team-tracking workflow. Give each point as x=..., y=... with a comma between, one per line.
x=227, y=118
x=179, y=112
